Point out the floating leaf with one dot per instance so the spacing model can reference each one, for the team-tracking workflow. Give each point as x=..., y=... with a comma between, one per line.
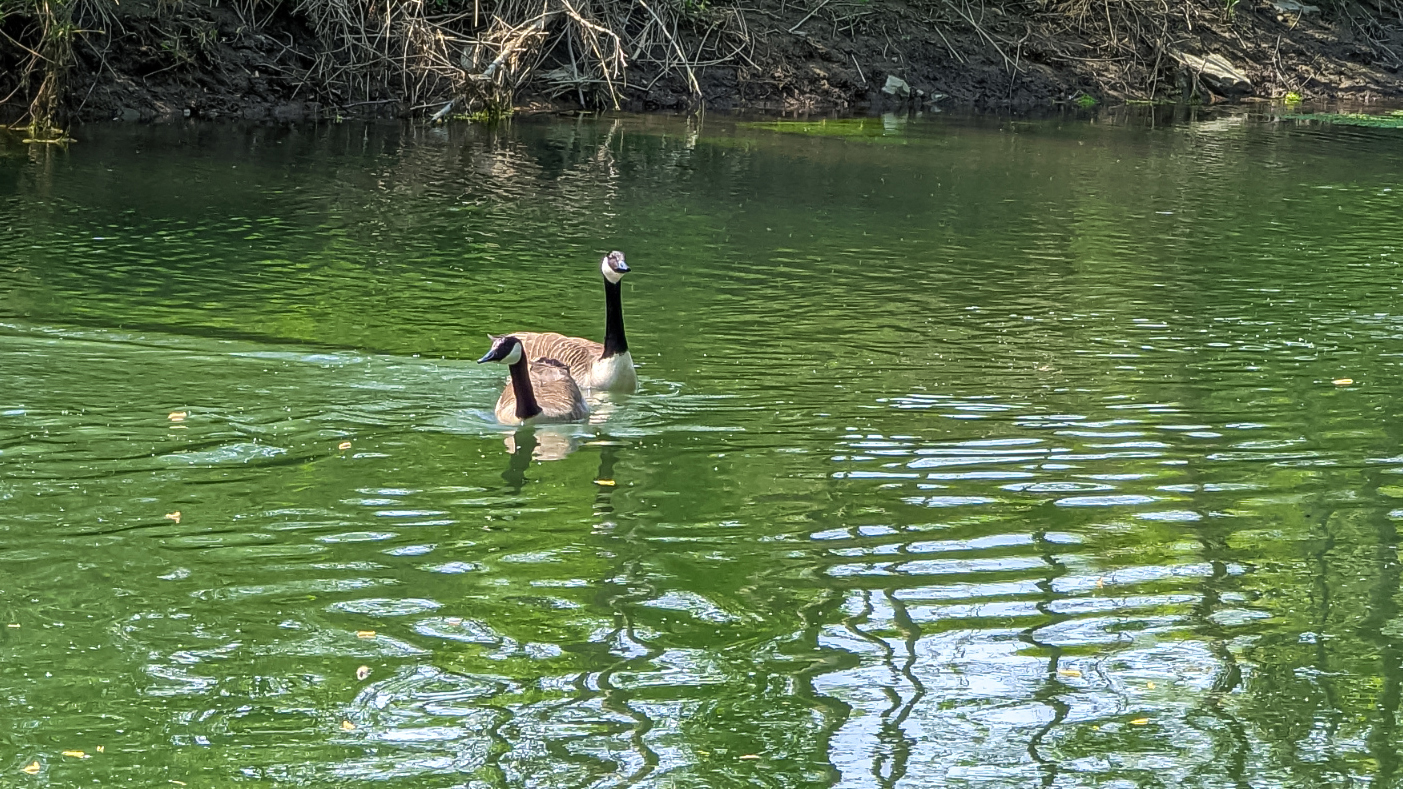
x=347, y=726
x=173, y=516
x=344, y=445
x=362, y=672
x=177, y=416
x=1069, y=672
x=102, y=749
x=1140, y=722
x=365, y=634
x=179, y=783
x=750, y=757
x=76, y=754
x=32, y=768
x=1100, y=583
x=14, y=625
x=1150, y=685
x=1342, y=381
x=608, y=483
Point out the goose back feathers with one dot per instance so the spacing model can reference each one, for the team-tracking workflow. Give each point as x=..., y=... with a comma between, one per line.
x=540, y=390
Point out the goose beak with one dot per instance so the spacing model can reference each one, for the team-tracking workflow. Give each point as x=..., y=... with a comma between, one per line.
x=622, y=268
x=487, y=357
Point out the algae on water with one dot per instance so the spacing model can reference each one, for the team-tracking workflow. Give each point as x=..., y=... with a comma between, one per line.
x=888, y=126
x=1391, y=120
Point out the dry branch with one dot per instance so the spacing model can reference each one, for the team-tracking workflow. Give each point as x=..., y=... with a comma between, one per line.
x=483, y=57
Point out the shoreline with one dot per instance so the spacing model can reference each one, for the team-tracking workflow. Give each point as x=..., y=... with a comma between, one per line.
x=202, y=60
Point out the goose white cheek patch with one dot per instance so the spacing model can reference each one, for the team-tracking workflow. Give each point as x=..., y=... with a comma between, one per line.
x=514, y=356
x=609, y=273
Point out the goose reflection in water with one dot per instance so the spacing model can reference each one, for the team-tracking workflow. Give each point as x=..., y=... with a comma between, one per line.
x=543, y=443
x=555, y=442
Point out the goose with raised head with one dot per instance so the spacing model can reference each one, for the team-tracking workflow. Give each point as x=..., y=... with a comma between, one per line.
x=606, y=367
x=539, y=390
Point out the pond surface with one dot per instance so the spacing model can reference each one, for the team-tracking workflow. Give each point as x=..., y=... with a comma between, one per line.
x=967, y=453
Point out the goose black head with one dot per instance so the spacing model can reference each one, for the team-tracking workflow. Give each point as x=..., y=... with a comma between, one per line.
x=613, y=266
x=505, y=349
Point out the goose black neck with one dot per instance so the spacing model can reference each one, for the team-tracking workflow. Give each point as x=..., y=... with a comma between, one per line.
x=614, y=341
x=526, y=405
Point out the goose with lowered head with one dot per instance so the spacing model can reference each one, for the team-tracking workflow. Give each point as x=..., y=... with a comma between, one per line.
x=606, y=367
x=540, y=390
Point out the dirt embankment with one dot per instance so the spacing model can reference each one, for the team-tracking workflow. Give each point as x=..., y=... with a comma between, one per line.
x=290, y=59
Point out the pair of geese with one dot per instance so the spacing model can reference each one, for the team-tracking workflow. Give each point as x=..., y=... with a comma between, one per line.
x=549, y=370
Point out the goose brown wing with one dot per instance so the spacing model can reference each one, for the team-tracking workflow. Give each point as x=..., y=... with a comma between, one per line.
x=556, y=391
x=576, y=353
x=550, y=372
x=506, y=403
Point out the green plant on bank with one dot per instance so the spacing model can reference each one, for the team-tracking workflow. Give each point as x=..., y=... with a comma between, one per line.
x=1291, y=97
x=174, y=45
x=493, y=112
x=48, y=29
x=186, y=43
x=1085, y=100
x=1230, y=6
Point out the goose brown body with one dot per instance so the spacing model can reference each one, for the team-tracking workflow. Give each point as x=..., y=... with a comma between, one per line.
x=576, y=353
x=537, y=390
x=555, y=393
x=605, y=366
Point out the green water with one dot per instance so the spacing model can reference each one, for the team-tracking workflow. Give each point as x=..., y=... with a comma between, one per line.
x=967, y=453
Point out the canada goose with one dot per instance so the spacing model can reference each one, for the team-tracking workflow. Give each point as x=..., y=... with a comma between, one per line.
x=538, y=391
x=607, y=367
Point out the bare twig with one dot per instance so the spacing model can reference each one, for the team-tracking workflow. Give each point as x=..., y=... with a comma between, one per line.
x=422, y=56
x=691, y=78
x=808, y=16
x=978, y=28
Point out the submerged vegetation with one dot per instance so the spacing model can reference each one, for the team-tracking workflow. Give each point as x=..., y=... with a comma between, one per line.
x=851, y=128
x=1389, y=120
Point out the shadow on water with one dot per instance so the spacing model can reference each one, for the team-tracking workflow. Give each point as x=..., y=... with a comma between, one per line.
x=522, y=447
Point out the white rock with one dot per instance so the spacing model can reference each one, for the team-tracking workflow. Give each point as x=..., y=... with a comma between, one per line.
x=1220, y=75
x=896, y=86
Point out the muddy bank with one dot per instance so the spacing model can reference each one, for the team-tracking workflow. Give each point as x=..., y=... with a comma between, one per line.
x=254, y=59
